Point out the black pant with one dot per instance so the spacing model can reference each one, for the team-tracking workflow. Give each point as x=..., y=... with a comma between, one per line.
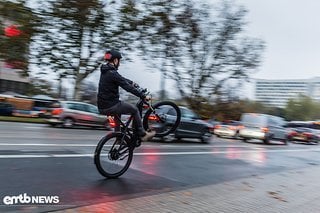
x=126, y=109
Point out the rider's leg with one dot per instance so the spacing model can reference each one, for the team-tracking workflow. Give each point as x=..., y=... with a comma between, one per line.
x=125, y=108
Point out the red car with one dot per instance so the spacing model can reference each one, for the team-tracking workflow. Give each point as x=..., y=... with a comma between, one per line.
x=303, y=134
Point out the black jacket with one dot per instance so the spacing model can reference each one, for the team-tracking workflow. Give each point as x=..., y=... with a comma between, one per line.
x=110, y=80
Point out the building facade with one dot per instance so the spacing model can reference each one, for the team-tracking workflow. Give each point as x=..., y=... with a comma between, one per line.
x=12, y=81
x=276, y=93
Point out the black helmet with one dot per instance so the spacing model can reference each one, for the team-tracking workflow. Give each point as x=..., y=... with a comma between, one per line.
x=112, y=54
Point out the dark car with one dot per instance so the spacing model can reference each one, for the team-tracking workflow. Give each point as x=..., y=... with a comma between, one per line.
x=303, y=134
x=304, y=131
x=191, y=125
x=6, y=109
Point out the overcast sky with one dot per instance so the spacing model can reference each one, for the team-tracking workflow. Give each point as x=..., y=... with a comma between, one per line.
x=290, y=30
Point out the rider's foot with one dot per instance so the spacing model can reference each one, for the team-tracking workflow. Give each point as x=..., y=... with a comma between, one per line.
x=148, y=135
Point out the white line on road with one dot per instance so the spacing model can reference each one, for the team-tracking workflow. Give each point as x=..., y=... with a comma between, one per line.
x=144, y=145
x=33, y=127
x=44, y=137
x=44, y=144
x=47, y=156
x=158, y=153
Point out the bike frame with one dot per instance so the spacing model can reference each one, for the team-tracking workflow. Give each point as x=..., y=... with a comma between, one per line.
x=124, y=127
x=125, y=138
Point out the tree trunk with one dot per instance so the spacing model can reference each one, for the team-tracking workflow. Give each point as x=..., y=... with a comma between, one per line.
x=163, y=85
x=77, y=92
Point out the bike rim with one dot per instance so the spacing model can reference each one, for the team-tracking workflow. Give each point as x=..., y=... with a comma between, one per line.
x=114, y=157
x=159, y=120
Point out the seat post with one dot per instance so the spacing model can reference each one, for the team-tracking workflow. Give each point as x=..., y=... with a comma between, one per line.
x=117, y=120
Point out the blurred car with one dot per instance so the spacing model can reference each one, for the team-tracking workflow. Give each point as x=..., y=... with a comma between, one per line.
x=228, y=129
x=304, y=131
x=303, y=134
x=40, y=108
x=263, y=127
x=6, y=109
x=72, y=113
x=213, y=122
x=191, y=125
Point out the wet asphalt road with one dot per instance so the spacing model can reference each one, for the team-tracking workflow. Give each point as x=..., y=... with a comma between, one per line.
x=43, y=161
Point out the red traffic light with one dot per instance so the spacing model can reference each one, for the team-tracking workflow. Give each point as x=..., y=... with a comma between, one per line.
x=12, y=31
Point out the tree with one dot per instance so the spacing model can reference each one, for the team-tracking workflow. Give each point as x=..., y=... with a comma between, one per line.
x=181, y=40
x=74, y=34
x=89, y=90
x=162, y=28
x=17, y=24
x=302, y=108
x=40, y=86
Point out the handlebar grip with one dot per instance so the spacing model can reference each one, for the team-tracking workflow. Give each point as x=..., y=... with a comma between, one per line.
x=142, y=90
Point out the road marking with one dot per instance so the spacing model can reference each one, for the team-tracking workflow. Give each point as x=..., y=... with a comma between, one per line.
x=227, y=151
x=47, y=156
x=33, y=127
x=159, y=153
x=144, y=145
x=45, y=144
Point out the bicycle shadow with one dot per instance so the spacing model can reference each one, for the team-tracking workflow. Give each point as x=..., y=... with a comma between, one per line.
x=132, y=184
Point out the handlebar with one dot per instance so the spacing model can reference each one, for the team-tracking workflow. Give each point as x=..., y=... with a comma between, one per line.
x=142, y=90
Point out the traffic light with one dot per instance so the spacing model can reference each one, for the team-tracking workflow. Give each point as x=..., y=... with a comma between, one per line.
x=15, y=33
x=14, y=47
x=12, y=31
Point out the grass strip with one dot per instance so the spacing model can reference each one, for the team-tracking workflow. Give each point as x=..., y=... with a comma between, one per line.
x=22, y=119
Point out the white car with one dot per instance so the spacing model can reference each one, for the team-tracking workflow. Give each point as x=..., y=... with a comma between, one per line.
x=263, y=127
x=227, y=129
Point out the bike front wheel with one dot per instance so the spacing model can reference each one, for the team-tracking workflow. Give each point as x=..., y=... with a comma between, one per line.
x=113, y=155
x=163, y=117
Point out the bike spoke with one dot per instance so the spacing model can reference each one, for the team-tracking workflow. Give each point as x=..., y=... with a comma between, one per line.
x=113, y=157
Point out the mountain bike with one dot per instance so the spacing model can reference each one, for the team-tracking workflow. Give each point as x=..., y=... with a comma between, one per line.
x=114, y=152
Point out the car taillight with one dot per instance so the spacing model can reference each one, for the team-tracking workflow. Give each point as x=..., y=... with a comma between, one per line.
x=57, y=111
x=293, y=133
x=232, y=127
x=264, y=129
x=307, y=134
x=217, y=126
x=153, y=118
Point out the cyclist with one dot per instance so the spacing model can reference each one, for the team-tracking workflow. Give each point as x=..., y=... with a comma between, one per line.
x=108, y=93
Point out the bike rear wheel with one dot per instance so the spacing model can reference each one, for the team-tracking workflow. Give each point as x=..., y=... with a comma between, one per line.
x=163, y=117
x=113, y=155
